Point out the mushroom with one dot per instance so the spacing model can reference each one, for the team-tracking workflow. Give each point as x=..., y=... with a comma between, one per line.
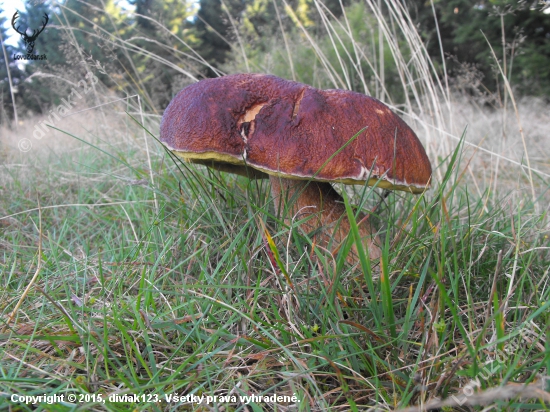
x=302, y=139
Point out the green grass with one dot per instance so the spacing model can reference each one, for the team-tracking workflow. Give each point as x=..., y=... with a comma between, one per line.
x=158, y=278
x=189, y=298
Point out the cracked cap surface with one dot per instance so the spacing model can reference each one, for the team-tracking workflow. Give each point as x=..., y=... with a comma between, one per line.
x=255, y=125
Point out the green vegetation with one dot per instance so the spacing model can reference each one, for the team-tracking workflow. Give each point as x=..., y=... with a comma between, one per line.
x=518, y=31
x=125, y=271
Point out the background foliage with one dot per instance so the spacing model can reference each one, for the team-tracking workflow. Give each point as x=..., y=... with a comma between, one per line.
x=208, y=38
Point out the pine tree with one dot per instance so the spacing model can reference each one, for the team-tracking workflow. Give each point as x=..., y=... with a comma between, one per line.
x=467, y=28
x=165, y=31
x=215, y=29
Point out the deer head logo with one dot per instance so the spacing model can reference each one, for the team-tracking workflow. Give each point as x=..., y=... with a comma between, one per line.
x=29, y=40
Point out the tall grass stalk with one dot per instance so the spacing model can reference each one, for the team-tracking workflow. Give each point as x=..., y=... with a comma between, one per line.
x=6, y=60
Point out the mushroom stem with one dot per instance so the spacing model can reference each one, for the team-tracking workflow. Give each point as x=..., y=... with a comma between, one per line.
x=298, y=199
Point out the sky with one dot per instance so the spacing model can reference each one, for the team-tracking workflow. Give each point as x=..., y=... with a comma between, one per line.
x=8, y=8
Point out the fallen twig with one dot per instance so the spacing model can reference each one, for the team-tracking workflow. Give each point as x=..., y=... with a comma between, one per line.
x=506, y=392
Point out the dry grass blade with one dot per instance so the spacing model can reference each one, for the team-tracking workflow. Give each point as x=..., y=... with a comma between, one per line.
x=503, y=393
x=75, y=205
x=516, y=111
x=16, y=120
x=36, y=273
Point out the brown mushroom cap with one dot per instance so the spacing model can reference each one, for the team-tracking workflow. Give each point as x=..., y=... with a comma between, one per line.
x=289, y=129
